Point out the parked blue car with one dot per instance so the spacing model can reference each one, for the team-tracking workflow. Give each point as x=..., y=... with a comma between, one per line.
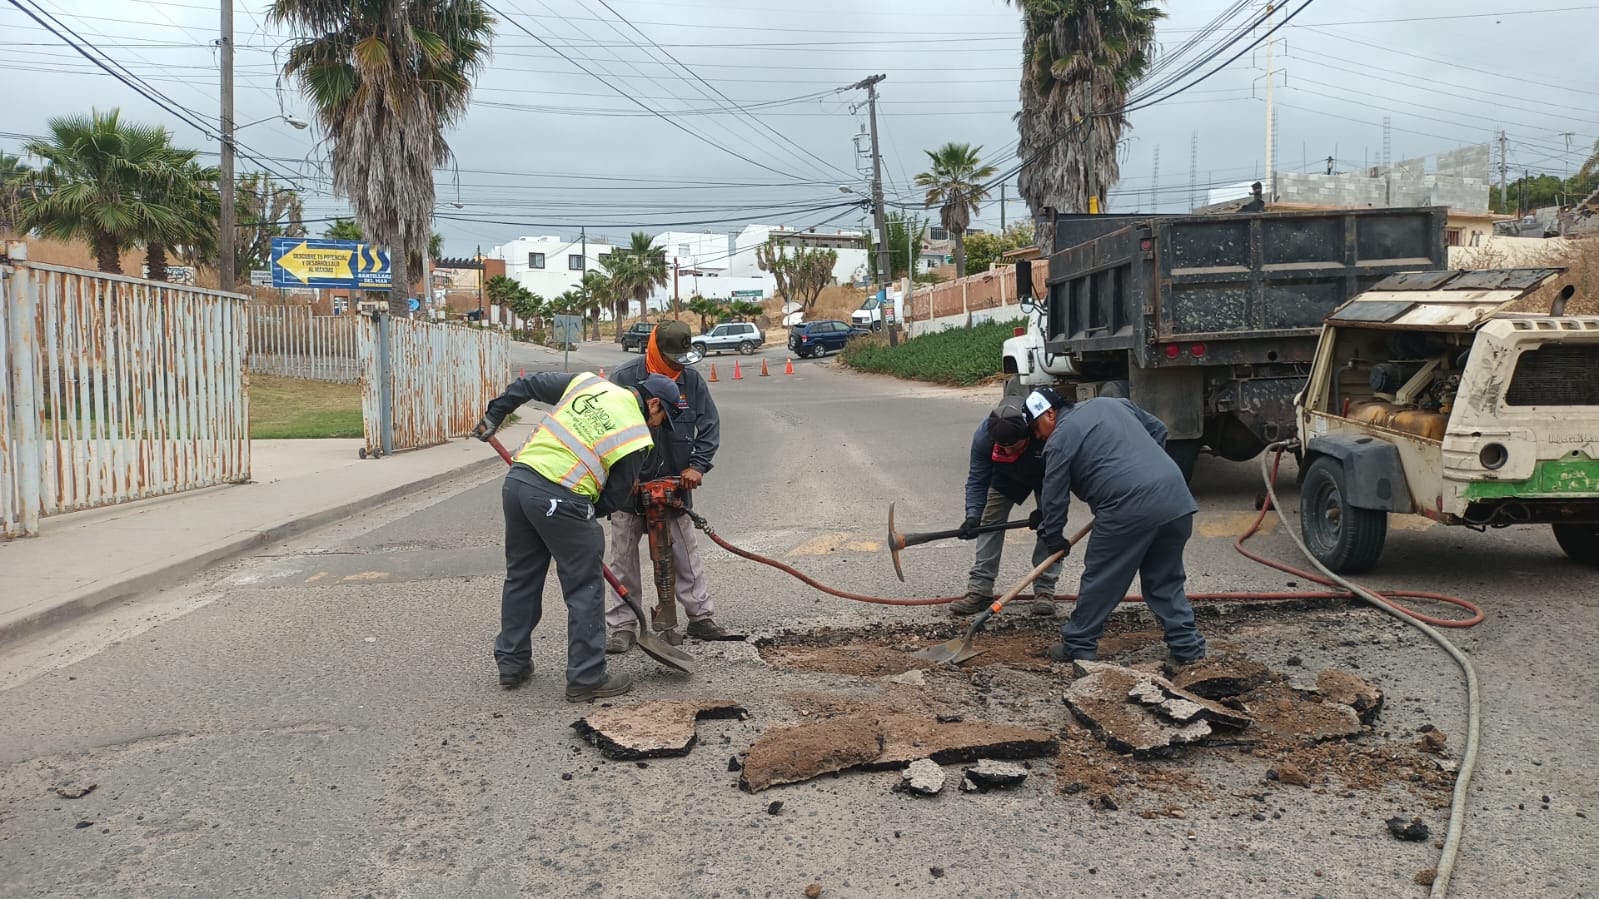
x=818, y=337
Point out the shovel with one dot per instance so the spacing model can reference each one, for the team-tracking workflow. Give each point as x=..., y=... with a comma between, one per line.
x=654, y=646
x=898, y=541
x=958, y=650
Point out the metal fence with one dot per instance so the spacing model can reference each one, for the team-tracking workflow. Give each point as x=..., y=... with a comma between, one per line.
x=291, y=342
x=439, y=379
x=118, y=389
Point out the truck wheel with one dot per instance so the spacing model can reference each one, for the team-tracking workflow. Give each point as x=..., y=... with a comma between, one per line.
x=1345, y=539
x=1014, y=387
x=1185, y=453
x=1580, y=541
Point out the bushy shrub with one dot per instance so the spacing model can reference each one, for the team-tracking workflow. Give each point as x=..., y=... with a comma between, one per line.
x=959, y=356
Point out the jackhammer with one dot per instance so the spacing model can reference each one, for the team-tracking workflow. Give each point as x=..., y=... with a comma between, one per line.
x=659, y=501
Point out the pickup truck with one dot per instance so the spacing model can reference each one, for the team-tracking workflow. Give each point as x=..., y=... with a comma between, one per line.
x=637, y=337
x=1210, y=322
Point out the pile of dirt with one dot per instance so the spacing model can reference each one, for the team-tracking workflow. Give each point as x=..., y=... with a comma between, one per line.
x=887, y=651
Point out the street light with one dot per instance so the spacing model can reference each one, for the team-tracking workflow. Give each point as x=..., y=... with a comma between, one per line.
x=291, y=121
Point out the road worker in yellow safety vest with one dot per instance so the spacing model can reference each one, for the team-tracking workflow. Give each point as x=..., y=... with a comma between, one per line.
x=580, y=464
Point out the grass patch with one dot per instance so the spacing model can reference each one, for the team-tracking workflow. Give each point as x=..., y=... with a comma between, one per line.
x=959, y=356
x=291, y=408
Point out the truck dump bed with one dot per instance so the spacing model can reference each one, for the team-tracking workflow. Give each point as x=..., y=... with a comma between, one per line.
x=1239, y=285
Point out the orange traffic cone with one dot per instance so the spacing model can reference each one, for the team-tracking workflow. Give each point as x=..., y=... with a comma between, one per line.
x=764, y=372
x=522, y=373
x=602, y=371
x=788, y=367
x=713, y=372
x=737, y=375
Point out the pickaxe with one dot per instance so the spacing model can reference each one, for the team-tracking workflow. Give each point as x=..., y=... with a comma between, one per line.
x=898, y=541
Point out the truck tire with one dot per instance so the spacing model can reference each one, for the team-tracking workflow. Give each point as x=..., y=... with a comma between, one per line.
x=1014, y=387
x=1345, y=539
x=1580, y=542
x=1120, y=390
x=1185, y=453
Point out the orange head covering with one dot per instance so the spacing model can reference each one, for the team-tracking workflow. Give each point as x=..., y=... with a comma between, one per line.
x=657, y=363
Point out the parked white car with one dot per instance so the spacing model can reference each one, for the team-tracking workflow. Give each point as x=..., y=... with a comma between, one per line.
x=744, y=337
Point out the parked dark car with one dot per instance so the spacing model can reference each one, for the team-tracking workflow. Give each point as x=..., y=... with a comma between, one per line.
x=637, y=337
x=818, y=337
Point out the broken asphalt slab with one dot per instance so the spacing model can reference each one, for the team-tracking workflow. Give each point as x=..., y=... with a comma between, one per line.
x=1351, y=690
x=923, y=778
x=798, y=752
x=1142, y=714
x=989, y=774
x=652, y=730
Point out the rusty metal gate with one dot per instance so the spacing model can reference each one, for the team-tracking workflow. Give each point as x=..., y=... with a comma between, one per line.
x=438, y=380
x=291, y=342
x=117, y=389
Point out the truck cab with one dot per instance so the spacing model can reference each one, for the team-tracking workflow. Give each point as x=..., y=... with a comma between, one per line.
x=1438, y=393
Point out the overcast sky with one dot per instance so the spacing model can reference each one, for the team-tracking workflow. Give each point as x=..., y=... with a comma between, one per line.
x=548, y=148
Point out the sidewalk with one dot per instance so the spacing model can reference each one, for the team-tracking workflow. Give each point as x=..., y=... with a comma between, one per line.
x=83, y=560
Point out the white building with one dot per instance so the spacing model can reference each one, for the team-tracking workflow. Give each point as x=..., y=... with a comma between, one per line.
x=851, y=268
x=550, y=266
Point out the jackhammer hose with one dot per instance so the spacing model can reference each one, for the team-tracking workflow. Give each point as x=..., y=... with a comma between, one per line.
x=1468, y=760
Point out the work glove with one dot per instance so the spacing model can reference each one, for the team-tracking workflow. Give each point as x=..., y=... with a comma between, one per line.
x=969, y=527
x=485, y=428
x=1035, y=519
x=1055, y=542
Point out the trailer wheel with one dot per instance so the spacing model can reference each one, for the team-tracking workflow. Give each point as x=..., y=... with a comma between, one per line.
x=1185, y=453
x=1345, y=539
x=1580, y=541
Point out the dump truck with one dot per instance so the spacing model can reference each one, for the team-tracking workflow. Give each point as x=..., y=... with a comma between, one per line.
x=1468, y=397
x=1210, y=322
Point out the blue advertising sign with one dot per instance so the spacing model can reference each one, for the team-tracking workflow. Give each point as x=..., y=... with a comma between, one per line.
x=317, y=262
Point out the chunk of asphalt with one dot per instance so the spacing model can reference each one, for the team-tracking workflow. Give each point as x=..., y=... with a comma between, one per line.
x=923, y=778
x=989, y=774
x=1412, y=831
x=651, y=730
x=1340, y=686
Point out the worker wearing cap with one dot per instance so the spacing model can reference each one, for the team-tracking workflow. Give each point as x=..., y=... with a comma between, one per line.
x=581, y=462
x=686, y=452
x=1112, y=455
x=1007, y=467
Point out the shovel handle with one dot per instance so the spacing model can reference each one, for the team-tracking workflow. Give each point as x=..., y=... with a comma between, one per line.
x=500, y=448
x=1036, y=572
x=908, y=540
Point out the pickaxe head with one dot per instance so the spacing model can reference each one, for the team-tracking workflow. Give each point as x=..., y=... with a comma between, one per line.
x=896, y=542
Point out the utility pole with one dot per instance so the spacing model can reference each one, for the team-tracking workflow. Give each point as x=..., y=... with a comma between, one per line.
x=227, y=278
x=480, y=268
x=884, y=266
x=1271, y=134
x=1504, y=170
x=1002, y=209
x=675, y=314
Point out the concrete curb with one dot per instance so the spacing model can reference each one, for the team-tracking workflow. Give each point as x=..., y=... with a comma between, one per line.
x=87, y=601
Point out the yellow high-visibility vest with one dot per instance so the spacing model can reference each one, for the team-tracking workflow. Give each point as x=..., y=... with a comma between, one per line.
x=595, y=424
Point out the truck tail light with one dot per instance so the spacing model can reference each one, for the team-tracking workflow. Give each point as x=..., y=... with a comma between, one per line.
x=1018, y=332
x=1172, y=351
x=1197, y=350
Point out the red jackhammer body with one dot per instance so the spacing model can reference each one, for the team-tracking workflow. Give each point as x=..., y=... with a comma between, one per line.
x=659, y=501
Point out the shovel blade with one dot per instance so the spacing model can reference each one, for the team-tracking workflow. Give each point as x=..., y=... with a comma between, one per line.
x=665, y=653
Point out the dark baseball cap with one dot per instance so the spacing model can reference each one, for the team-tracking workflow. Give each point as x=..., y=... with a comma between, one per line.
x=666, y=390
x=1008, y=422
x=675, y=342
x=1042, y=400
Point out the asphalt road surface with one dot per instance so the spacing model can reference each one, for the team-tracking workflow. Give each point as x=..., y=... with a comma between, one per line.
x=323, y=719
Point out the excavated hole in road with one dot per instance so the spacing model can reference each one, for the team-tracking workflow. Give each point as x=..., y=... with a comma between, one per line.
x=1014, y=682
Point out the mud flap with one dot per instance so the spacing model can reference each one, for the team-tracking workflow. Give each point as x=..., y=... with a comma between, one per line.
x=1373, y=472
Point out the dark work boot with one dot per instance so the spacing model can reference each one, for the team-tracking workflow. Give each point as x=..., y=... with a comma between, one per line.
x=510, y=680
x=1043, y=605
x=613, y=685
x=620, y=642
x=970, y=604
x=706, y=629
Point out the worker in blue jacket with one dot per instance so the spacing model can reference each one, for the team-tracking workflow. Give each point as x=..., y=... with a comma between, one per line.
x=1112, y=455
x=1007, y=468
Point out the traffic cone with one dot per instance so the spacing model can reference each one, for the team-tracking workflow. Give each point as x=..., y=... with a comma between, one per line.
x=788, y=367
x=713, y=372
x=764, y=372
x=602, y=371
x=737, y=375
x=522, y=373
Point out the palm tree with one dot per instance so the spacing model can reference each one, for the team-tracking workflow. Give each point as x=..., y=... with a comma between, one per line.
x=96, y=170
x=16, y=182
x=596, y=290
x=635, y=271
x=344, y=229
x=386, y=78
x=955, y=185
x=705, y=309
x=1079, y=59
x=189, y=190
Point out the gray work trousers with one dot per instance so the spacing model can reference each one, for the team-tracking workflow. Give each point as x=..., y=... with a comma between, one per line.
x=545, y=522
x=1156, y=556
x=627, y=530
x=989, y=547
